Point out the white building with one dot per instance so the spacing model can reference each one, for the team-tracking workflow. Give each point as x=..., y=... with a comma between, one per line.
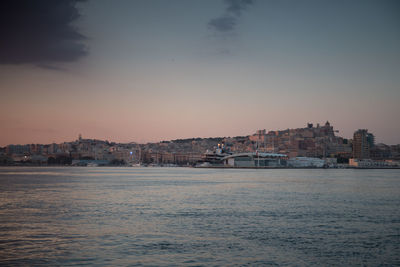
x=254, y=159
x=368, y=163
x=304, y=162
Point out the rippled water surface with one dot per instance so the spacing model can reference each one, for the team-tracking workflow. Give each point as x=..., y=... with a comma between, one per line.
x=185, y=216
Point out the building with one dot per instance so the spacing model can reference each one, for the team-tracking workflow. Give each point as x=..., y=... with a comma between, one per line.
x=369, y=163
x=319, y=141
x=305, y=162
x=362, y=144
x=254, y=159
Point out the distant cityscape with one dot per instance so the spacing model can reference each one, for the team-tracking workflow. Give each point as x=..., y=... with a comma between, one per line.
x=311, y=142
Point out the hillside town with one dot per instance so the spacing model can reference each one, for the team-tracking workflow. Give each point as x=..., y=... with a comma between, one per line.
x=311, y=146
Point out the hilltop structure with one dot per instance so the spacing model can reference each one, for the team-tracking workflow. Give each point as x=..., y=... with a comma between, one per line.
x=310, y=141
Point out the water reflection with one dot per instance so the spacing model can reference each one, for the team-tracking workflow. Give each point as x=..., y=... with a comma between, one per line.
x=183, y=216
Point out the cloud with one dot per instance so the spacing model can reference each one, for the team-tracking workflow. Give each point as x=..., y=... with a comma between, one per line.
x=223, y=24
x=40, y=32
x=228, y=21
x=236, y=7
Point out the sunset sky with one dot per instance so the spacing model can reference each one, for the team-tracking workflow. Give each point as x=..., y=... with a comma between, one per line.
x=158, y=70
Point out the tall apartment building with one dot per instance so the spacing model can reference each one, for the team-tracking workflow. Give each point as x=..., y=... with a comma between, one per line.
x=362, y=143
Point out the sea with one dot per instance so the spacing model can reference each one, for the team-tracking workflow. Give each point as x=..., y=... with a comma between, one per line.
x=103, y=216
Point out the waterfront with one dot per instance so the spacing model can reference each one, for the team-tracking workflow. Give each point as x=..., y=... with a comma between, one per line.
x=186, y=216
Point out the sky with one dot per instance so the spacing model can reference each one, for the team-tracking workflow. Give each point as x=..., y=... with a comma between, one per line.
x=152, y=70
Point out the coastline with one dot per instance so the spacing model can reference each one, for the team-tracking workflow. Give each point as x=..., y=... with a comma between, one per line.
x=206, y=167
x=350, y=167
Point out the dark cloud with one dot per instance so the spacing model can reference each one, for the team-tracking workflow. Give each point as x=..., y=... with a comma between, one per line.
x=236, y=7
x=223, y=24
x=228, y=21
x=40, y=32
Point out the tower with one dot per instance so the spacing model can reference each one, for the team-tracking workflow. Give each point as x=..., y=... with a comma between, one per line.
x=362, y=143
